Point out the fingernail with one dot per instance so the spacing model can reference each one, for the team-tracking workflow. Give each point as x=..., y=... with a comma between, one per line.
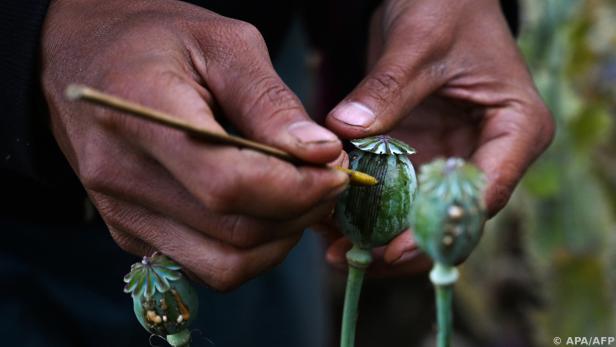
x=406, y=256
x=355, y=114
x=310, y=133
x=335, y=261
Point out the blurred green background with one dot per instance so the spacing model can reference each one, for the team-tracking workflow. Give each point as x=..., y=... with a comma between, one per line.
x=545, y=267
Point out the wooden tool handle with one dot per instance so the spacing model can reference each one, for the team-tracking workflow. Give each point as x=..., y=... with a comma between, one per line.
x=80, y=92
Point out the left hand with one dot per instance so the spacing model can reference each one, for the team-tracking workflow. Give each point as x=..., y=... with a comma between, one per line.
x=447, y=78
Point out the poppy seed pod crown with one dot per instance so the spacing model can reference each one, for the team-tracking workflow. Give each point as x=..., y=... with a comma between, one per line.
x=449, y=210
x=372, y=215
x=163, y=299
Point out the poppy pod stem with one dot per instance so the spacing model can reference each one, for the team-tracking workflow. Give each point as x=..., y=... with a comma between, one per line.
x=443, y=277
x=181, y=339
x=371, y=216
x=358, y=259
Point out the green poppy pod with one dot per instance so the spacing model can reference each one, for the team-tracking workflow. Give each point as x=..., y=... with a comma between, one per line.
x=449, y=210
x=164, y=301
x=371, y=216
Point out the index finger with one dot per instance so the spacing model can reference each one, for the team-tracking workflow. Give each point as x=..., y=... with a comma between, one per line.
x=511, y=138
x=224, y=179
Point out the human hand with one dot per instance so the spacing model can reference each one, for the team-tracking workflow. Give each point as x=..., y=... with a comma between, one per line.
x=447, y=78
x=225, y=214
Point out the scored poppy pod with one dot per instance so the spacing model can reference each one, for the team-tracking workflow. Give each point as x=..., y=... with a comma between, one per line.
x=164, y=301
x=371, y=216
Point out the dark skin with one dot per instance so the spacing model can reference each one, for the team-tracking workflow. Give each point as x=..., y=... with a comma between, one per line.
x=448, y=78
x=450, y=82
x=221, y=212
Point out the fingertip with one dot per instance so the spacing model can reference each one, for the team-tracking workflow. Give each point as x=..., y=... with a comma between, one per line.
x=399, y=246
x=307, y=133
x=508, y=145
x=497, y=195
x=351, y=119
x=325, y=184
x=501, y=179
x=338, y=182
x=332, y=257
x=342, y=160
x=313, y=142
x=336, y=252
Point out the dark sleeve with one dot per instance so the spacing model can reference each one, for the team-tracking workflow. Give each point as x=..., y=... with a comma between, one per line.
x=20, y=31
x=35, y=179
x=511, y=9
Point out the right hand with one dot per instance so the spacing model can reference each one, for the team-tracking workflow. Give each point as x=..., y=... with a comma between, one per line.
x=225, y=214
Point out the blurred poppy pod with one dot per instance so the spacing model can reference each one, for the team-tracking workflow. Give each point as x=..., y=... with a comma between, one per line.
x=163, y=299
x=371, y=216
x=449, y=210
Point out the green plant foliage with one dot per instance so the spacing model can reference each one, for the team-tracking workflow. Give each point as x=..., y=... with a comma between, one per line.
x=555, y=242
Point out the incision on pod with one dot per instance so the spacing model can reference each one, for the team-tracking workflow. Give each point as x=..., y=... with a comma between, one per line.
x=164, y=301
x=371, y=216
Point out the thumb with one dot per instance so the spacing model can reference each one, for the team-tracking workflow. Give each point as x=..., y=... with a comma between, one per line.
x=399, y=81
x=259, y=104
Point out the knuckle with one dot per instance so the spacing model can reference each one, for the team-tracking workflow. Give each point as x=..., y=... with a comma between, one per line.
x=536, y=120
x=386, y=86
x=267, y=103
x=128, y=243
x=220, y=198
x=248, y=32
x=241, y=236
x=278, y=256
x=245, y=240
x=111, y=212
x=232, y=274
x=271, y=95
x=289, y=181
x=94, y=174
x=136, y=79
x=277, y=259
x=114, y=80
x=310, y=197
x=132, y=222
x=215, y=203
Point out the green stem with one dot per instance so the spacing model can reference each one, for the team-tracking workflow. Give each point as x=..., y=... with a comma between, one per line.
x=443, y=277
x=358, y=260
x=181, y=339
x=444, y=301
